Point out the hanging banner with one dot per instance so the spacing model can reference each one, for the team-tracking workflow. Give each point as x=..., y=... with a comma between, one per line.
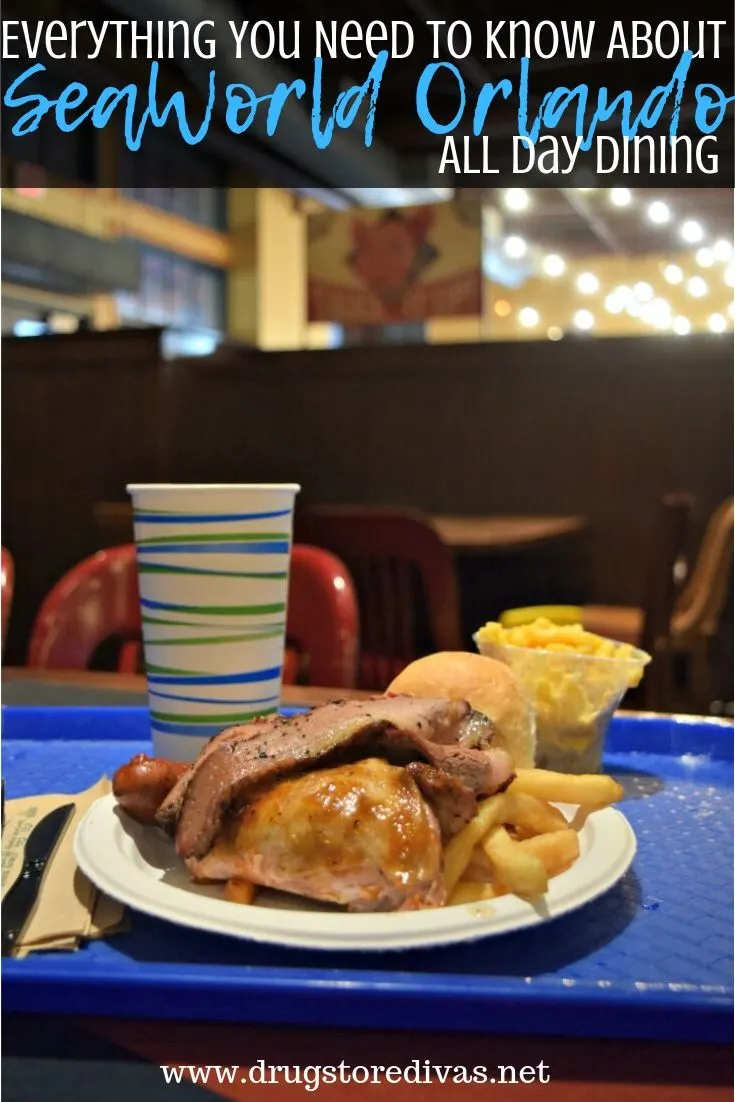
x=385, y=267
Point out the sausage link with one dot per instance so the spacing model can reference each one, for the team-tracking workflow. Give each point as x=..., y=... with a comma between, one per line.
x=142, y=784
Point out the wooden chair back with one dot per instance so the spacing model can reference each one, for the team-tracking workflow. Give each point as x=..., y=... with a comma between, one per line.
x=700, y=606
x=667, y=548
x=402, y=570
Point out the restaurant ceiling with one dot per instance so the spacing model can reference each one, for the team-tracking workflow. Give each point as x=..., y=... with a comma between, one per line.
x=581, y=223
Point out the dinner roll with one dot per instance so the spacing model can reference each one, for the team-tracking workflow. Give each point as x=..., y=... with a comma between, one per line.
x=489, y=686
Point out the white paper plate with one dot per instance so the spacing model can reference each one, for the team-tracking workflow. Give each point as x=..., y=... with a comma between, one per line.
x=138, y=866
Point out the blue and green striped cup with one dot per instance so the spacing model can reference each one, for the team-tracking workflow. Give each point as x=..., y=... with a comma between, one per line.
x=213, y=565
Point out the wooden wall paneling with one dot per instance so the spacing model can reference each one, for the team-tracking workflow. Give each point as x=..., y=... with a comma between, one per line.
x=82, y=416
x=580, y=426
x=598, y=427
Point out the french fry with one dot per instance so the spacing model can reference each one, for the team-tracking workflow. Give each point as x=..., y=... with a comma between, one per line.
x=520, y=870
x=556, y=851
x=459, y=851
x=590, y=790
x=240, y=891
x=473, y=891
x=530, y=815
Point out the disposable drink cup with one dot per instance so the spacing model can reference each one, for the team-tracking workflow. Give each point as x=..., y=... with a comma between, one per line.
x=213, y=565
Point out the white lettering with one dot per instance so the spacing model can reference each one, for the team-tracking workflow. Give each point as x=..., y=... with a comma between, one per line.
x=55, y=32
x=716, y=24
x=641, y=34
x=375, y=32
x=295, y=51
x=145, y=37
x=544, y=39
x=330, y=45
x=528, y=147
x=617, y=39
x=174, y=25
x=238, y=37
x=576, y=45
x=672, y=28
x=601, y=167
x=454, y=51
x=351, y=32
x=206, y=49
x=449, y=155
x=551, y=50
x=523, y=26
x=572, y=152
x=435, y=24
x=270, y=39
x=493, y=47
x=98, y=39
x=354, y=42
x=708, y=165
x=7, y=35
x=32, y=49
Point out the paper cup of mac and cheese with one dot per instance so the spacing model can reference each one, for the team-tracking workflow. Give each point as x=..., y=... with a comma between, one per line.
x=213, y=566
x=574, y=680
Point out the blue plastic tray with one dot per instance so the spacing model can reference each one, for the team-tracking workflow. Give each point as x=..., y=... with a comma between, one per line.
x=650, y=959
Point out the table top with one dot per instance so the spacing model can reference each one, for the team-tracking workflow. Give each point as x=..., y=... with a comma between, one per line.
x=93, y=688
x=504, y=533
x=56, y=687
x=461, y=532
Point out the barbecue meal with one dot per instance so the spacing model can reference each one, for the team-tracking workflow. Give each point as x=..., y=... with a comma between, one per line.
x=393, y=803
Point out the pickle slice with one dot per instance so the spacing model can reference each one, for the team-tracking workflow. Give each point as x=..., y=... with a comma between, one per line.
x=557, y=614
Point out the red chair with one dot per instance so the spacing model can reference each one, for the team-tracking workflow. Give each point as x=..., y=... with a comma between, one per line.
x=95, y=601
x=405, y=579
x=7, y=578
x=322, y=629
x=98, y=600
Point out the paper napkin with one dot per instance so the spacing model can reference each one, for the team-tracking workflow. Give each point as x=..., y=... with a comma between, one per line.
x=69, y=909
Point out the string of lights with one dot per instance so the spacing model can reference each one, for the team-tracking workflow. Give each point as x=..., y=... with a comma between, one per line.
x=639, y=300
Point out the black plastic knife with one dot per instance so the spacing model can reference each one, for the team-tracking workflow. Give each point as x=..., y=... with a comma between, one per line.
x=40, y=845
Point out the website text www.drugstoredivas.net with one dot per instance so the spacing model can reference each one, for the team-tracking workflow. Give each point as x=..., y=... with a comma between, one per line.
x=654, y=116
x=312, y=1076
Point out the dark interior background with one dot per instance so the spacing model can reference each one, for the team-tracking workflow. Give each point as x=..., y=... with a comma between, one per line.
x=600, y=428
